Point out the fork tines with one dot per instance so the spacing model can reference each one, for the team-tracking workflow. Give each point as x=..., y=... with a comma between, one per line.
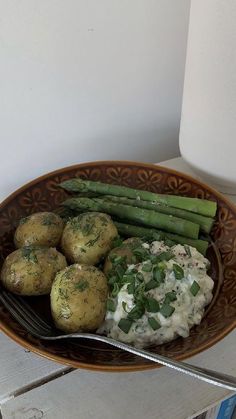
x=25, y=315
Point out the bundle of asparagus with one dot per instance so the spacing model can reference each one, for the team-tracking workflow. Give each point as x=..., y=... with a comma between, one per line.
x=179, y=219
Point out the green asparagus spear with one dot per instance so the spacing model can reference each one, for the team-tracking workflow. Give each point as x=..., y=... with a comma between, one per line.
x=142, y=216
x=150, y=233
x=199, y=206
x=205, y=223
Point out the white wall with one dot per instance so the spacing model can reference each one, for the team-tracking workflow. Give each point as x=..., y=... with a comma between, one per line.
x=84, y=80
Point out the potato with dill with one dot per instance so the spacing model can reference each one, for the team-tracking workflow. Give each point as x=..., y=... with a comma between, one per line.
x=31, y=270
x=41, y=228
x=123, y=255
x=88, y=237
x=78, y=298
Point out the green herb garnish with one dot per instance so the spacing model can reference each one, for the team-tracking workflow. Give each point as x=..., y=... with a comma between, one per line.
x=194, y=288
x=169, y=297
x=139, y=292
x=49, y=220
x=117, y=242
x=28, y=253
x=152, y=305
x=23, y=220
x=131, y=288
x=164, y=256
x=111, y=305
x=187, y=250
x=136, y=312
x=158, y=274
x=166, y=310
x=82, y=285
x=119, y=271
x=141, y=253
x=151, y=285
x=63, y=293
x=125, y=325
x=147, y=266
x=111, y=279
x=129, y=277
x=140, y=277
x=169, y=242
x=115, y=290
x=178, y=271
x=116, y=259
x=153, y=323
x=92, y=242
x=124, y=306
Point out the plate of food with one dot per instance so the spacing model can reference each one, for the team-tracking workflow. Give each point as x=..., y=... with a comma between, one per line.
x=137, y=252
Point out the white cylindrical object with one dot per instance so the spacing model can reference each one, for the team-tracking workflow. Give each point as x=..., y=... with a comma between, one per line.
x=208, y=122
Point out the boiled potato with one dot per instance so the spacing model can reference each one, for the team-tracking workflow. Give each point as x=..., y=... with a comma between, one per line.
x=41, y=228
x=31, y=270
x=124, y=251
x=88, y=237
x=78, y=298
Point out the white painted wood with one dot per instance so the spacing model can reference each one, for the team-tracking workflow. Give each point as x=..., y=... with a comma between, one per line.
x=20, y=368
x=155, y=394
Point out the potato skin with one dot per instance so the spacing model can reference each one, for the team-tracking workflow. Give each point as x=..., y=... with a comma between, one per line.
x=88, y=237
x=31, y=270
x=125, y=250
x=78, y=298
x=41, y=228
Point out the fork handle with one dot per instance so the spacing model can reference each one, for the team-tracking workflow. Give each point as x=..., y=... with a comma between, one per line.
x=212, y=377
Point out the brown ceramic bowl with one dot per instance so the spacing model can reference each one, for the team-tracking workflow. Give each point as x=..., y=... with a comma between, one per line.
x=43, y=194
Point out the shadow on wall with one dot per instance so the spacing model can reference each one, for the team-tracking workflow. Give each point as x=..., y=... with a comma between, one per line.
x=151, y=145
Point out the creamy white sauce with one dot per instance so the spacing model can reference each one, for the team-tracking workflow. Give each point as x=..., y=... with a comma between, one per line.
x=188, y=309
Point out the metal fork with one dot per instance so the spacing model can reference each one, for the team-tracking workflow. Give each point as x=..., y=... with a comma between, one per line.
x=35, y=325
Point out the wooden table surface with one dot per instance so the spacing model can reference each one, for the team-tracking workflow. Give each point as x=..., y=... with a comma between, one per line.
x=32, y=387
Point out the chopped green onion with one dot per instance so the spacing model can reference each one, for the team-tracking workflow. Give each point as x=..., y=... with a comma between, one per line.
x=194, y=288
x=169, y=297
x=124, y=306
x=133, y=259
x=158, y=274
x=136, y=312
x=151, y=285
x=139, y=292
x=178, y=271
x=164, y=256
x=153, y=259
x=187, y=250
x=153, y=323
x=131, y=288
x=119, y=271
x=129, y=277
x=117, y=242
x=152, y=305
x=140, y=277
x=141, y=253
x=115, y=290
x=111, y=305
x=161, y=265
x=125, y=325
x=169, y=242
x=111, y=279
x=147, y=267
x=118, y=259
x=166, y=310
